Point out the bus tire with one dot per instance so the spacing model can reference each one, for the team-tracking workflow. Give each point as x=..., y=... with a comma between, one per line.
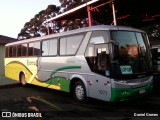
x=79, y=91
x=22, y=79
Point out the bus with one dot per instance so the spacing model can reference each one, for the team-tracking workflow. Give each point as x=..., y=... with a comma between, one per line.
x=105, y=62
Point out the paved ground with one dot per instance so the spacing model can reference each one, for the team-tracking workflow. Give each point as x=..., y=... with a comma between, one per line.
x=52, y=104
x=6, y=81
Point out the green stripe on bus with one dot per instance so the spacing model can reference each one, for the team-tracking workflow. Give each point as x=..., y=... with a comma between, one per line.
x=62, y=82
x=63, y=68
x=121, y=94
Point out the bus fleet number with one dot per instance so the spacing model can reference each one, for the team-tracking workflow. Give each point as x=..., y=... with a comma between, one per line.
x=102, y=92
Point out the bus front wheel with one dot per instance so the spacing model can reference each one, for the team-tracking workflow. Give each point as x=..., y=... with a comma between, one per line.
x=79, y=91
x=22, y=79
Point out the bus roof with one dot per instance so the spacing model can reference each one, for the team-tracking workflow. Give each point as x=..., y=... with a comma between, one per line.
x=85, y=29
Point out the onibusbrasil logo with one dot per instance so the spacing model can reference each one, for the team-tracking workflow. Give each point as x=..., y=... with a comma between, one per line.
x=19, y=114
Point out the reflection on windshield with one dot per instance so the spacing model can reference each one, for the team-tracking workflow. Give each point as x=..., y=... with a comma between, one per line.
x=131, y=50
x=134, y=57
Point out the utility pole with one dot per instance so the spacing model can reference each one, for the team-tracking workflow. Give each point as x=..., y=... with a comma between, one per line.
x=114, y=14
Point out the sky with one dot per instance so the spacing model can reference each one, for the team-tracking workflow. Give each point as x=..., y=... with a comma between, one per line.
x=15, y=13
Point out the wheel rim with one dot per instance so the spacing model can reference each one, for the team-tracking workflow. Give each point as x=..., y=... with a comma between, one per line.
x=79, y=92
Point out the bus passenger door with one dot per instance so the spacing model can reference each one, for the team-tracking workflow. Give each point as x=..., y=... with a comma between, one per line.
x=99, y=83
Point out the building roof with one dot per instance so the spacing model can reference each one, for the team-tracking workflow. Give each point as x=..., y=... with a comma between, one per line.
x=6, y=39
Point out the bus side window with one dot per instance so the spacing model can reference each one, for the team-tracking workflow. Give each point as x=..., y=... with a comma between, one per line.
x=49, y=47
x=69, y=45
x=10, y=51
x=36, y=49
x=23, y=49
x=63, y=46
x=19, y=50
x=13, y=51
x=6, y=52
x=53, y=47
x=30, y=49
x=45, y=48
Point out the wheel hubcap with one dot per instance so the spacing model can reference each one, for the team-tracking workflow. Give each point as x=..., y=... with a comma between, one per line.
x=79, y=92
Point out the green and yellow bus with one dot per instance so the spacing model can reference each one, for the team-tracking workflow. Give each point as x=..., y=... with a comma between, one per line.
x=110, y=63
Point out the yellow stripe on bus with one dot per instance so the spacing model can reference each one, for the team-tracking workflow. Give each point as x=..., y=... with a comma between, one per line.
x=54, y=87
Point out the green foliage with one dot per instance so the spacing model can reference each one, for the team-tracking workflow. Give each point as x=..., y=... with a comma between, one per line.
x=35, y=27
x=153, y=31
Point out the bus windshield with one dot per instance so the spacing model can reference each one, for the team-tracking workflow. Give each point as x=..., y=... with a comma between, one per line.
x=134, y=59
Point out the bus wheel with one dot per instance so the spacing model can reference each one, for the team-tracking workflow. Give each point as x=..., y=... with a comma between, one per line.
x=22, y=79
x=79, y=91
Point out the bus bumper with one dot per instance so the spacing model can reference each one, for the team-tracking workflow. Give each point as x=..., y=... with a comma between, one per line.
x=121, y=94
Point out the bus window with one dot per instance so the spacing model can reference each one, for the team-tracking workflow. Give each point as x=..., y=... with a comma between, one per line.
x=36, y=49
x=97, y=53
x=49, y=47
x=23, y=49
x=45, y=48
x=6, y=52
x=98, y=58
x=69, y=45
x=53, y=47
x=63, y=43
x=99, y=37
x=30, y=49
x=19, y=50
x=10, y=51
x=13, y=51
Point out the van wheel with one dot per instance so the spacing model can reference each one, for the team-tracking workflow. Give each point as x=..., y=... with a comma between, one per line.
x=22, y=79
x=79, y=91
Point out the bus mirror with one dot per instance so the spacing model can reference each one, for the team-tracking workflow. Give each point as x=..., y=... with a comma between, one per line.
x=115, y=51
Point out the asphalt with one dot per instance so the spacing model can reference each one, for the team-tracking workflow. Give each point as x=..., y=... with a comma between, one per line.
x=6, y=81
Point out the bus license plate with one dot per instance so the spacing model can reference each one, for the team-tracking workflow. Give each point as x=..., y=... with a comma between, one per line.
x=142, y=91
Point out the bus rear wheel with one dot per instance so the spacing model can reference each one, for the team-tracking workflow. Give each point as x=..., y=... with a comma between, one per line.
x=22, y=79
x=79, y=91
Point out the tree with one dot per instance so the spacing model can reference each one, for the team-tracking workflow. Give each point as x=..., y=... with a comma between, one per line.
x=35, y=27
x=125, y=16
x=153, y=31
